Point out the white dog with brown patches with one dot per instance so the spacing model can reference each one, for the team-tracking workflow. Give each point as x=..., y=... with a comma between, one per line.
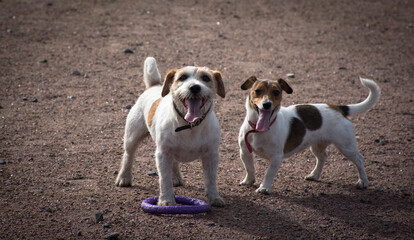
x=180, y=119
x=275, y=132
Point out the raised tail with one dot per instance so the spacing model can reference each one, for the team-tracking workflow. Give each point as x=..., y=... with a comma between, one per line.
x=151, y=74
x=370, y=101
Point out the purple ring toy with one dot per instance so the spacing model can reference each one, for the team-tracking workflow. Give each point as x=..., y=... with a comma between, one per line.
x=190, y=206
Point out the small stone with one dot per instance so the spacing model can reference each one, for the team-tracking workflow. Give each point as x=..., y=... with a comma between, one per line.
x=112, y=236
x=86, y=76
x=52, y=155
x=152, y=173
x=99, y=217
x=211, y=224
x=377, y=140
x=34, y=100
x=2, y=162
x=40, y=191
x=128, y=51
x=290, y=75
x=128, y=107
x=106, y=225
x=379, y=189
x=382, y=143
x=322, y=194
x=76, y=73
x=43, y=61
x=71, y=97
x=115, y=172
x=79, y=233
x=342, y=68
x=25, y=99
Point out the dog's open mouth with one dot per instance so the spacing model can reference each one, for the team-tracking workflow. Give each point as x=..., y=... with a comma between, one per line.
x=193, y=106
x=263, y=123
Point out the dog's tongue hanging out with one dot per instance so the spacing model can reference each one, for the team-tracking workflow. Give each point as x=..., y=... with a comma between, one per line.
x=263, y=123
x=193, y=110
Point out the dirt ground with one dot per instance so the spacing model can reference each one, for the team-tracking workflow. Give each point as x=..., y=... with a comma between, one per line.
x=66, y=82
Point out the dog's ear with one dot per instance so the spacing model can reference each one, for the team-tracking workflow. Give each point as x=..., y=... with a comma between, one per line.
x=169, y=78
x=249, y=83
x=219, y=84
x=285, y=86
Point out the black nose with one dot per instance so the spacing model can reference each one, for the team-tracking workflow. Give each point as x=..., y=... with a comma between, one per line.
x=267, y=105
x=195, y=89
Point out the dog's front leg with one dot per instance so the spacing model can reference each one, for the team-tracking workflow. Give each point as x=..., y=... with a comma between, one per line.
x=270, y=174
x=248, y=163
x=210, y=164
x=164, y=166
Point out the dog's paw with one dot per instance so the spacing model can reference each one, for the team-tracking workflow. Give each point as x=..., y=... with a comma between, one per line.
x=166, y=202
x=123, y=181
x=178, y=181
x=311, y=177
x=247, y=182
x=263, y=190
x=361, y=184
x=217, y=202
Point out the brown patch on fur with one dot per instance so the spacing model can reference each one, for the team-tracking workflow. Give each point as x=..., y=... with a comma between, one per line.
x=296, y=133
x=344, y=110
x=310, y=116
x=152, y=110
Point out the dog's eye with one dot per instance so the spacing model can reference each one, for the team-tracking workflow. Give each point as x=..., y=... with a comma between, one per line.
x=257, y=91
x=205, y=78
x=276, y=92
x=183, y=77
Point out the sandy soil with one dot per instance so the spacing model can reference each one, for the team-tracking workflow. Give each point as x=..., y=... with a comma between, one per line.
x=66, y=82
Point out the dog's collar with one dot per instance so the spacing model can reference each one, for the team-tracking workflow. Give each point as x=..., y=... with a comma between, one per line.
x=190, y=125
x=249, y=147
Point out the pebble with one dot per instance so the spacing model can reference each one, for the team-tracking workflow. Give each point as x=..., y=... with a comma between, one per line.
x=112, y=236
x=86, y=76
x=2, y=162
x=25, y=99
x=382, y=143
x=290, y=75
x=128, y=107
x=106, y=225
x=211, y=224
x=34, y=100
x=128, y=51
x=99, y=217
x=76, y=73
x=152, y=173
x=43, y=61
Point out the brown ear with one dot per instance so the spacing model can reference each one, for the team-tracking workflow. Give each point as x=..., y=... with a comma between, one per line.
x=219, y=84
x=285, y=86
x=169, y=78
x=249, y=83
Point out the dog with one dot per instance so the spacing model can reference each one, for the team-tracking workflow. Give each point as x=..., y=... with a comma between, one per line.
x=275, y=132
x=179, y=116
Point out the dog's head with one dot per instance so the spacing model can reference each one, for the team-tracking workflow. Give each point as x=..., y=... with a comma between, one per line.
x=265, y=98
x=193, y=90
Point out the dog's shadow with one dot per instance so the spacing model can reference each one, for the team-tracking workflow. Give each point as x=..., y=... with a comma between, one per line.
x=364, y=211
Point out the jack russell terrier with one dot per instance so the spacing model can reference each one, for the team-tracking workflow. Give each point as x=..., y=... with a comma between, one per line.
x=180, y=119
x=275, y=132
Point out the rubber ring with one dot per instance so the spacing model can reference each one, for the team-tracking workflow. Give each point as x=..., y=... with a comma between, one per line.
x=190, y=206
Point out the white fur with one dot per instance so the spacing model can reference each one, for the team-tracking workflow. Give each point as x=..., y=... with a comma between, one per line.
x=171, y=147
x=335, y=129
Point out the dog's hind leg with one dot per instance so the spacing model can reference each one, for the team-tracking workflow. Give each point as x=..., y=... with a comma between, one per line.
x=350, y=150
x=319, y=152
x=135, y=131
x=177, y=177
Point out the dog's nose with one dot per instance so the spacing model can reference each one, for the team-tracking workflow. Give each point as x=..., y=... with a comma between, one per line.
x=267, y=105
x=195, y=89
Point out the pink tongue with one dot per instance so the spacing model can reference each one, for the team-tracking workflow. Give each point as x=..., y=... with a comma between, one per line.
x=193, y=111
x=263, y=123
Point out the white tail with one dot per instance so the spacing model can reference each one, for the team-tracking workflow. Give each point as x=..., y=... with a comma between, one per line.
x=151, y=74
x=370, y=101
